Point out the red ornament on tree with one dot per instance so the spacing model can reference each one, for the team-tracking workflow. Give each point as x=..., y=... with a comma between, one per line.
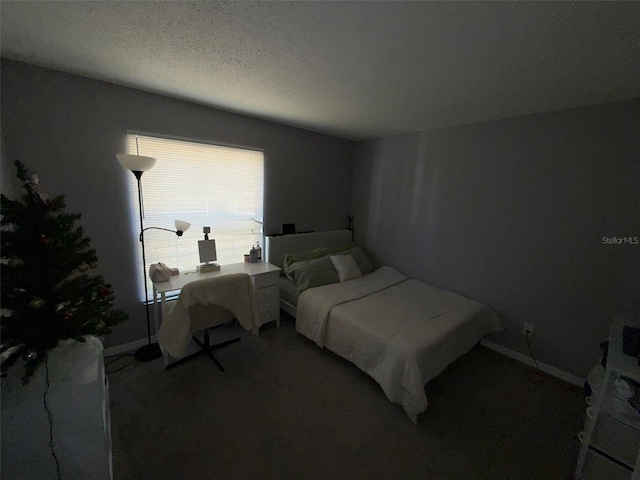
x=68, y=316
x=104, y=291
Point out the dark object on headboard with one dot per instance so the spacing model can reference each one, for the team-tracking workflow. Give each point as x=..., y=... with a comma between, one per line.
x=350, y=227
x=631, y=341
x=288, y=228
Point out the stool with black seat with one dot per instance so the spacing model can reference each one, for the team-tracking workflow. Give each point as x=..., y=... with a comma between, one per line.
x=207, y=318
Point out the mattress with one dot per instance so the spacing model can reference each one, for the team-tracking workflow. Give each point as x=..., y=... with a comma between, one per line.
x=288, y=291
x=402, y=332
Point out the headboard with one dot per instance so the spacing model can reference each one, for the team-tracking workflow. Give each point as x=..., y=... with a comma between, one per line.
x=278, y=246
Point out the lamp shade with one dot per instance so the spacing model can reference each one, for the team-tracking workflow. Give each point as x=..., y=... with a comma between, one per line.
x=136, y=163
x=182, y=226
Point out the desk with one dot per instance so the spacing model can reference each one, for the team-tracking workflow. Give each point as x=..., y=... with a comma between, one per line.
x=264, y=278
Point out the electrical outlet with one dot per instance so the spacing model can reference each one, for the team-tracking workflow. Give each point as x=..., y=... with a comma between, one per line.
x=527, y=329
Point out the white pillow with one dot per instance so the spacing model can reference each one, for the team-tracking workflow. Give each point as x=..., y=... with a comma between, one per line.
x=346, y=267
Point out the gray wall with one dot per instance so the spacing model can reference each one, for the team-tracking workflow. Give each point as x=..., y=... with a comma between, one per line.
x=512, y=213
x=9, y=183
x=69, y=129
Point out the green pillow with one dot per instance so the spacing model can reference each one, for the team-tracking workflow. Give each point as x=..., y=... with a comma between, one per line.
x=361, y=259
x=291, y=258
x=313, y=273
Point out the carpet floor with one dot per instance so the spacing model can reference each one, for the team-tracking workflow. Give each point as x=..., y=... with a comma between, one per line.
x=285, y=409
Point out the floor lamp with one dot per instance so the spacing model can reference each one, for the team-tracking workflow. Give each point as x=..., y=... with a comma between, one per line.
x=139, y=164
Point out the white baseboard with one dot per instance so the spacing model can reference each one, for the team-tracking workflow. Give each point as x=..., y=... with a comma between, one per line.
x=127, y=347
x=556, y=372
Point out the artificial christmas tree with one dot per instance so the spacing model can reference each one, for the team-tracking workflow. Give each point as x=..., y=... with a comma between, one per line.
x=47, y=294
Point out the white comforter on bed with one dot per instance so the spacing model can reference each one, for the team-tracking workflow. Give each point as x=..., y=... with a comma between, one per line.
x=401, y=332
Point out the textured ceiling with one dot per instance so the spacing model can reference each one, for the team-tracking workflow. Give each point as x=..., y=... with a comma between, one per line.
x=352, y=69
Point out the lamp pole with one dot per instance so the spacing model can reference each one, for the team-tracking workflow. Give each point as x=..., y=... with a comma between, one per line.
x=151, y=351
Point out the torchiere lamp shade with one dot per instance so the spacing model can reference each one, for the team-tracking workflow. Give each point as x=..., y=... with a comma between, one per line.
x=136, y=163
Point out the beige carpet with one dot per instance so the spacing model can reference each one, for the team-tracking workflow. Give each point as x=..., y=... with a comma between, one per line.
x=287, y=409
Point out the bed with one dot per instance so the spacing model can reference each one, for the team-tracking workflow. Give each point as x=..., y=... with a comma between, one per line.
x=400, y=331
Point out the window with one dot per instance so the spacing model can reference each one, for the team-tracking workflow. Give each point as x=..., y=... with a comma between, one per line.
x=205, y=185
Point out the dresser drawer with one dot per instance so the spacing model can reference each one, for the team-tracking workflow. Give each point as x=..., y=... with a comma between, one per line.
x=269, y=304
x=266, y=279
x=268, y=292
x=269, y=316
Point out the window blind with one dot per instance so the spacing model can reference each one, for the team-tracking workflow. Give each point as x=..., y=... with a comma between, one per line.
x=205, y=185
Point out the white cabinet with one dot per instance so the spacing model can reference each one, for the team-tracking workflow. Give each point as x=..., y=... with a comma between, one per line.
x=79, y=403
x=611, y=436
x=268, y=296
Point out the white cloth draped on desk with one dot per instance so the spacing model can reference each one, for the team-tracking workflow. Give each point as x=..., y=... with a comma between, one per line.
x=233, y=292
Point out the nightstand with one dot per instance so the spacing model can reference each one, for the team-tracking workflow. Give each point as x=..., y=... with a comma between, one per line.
x=267, y=291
